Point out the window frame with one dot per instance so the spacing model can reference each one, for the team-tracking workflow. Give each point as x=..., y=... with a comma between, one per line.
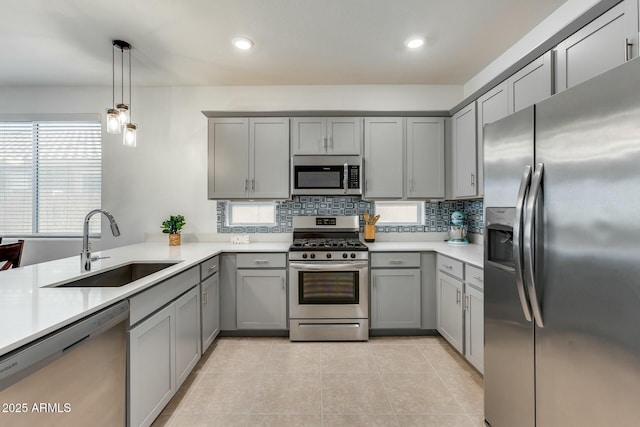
x=420, y=212
x=229, y=214
x=37, y=181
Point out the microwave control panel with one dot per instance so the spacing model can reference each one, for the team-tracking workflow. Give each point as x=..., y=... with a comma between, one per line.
x=354, y=177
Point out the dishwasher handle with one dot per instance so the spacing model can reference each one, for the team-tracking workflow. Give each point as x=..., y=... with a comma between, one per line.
x=26, y=360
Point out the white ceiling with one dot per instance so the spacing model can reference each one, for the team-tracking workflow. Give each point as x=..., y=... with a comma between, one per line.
x=188, y=42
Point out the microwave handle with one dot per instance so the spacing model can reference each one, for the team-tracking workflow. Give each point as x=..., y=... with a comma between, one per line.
x=345, y=177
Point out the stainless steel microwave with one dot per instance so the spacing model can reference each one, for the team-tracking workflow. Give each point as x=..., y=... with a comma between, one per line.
x=331, y=175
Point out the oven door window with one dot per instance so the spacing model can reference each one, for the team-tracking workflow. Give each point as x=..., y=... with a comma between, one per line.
x=329, y=177
x=328, y=287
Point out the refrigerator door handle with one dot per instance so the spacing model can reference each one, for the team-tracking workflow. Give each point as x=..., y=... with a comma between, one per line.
x=517, y=241
x=534, y=193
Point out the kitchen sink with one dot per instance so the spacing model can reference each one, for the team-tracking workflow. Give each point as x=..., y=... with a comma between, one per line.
x=118, y=276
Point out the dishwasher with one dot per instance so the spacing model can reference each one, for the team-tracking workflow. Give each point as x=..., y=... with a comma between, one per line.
x=73, y=377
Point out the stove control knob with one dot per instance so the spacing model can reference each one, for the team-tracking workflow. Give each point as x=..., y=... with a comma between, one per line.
x=345, y=255
x=304, y=256
x=328, y=255
x=353, y=255
x=312, y=256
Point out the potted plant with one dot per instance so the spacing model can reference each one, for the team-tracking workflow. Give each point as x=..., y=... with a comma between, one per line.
x=172, y=227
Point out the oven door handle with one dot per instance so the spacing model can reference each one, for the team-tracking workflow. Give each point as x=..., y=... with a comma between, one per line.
x=331, y=265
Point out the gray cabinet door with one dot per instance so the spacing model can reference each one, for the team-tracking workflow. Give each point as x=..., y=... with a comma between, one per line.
x=308, y=135
x=262, y=299
x=474, y=327
x=395, y=298
x=428, y=291
x=344, y=135
x=383, y=162
x=491, y=106
x=228, y=158
x=531, y=84
x=463, y=141
x=228, y=268
x=210, y=310
x=598, y=46
x=187, y=333
x=269, y=158
x=152, y=379
x=425, y=158
x=449, y=309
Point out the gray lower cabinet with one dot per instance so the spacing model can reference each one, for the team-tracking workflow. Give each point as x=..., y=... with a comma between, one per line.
x=152, y=379
x=228, y=269
x=210, y=289
x=163, y=349
x=248, y=158
x=187, y=334
x=395, y=290
x=261, y=291
x=209, y=300
x=450, y=309
x=474, y=326
x=606, y=42
x=428, y=290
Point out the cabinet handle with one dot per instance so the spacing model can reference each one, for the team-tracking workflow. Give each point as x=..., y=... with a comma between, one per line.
x=627, y=49
x=473, y=179
x=458, y=296
x=261, y=261
x=410, y=186
x=213, y=267
x=246, y=184
x=447, y=266
x=324, y=143
x=205, y=297
x=253, y=185
x=466, y=303
x=330, y=142
x=395, y=261
x=479, y=279
x=283, y=287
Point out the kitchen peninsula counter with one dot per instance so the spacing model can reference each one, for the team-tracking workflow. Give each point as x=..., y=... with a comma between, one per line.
x=31, y=307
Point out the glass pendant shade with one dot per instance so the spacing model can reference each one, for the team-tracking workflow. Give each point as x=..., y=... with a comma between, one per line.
x=113, y=121
x=123, y=114
x=129, y=135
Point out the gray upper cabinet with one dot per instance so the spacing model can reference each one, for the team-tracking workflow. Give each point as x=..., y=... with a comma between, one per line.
x=425, y=158
x=492, y=106
x=606, y=42
x=269, y=161
x=531, y=84
x=383, y=161
x=248, y=158
x=326, y=135
x=463, y=152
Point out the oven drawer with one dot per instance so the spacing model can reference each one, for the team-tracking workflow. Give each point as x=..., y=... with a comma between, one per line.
x=261, y=260
x=451, y=266
x=395, y=259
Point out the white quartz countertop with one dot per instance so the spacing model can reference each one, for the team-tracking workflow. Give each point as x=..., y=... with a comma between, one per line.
x=32, y=307
x=471, y=254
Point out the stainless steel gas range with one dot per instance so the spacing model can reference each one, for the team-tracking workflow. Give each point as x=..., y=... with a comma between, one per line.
x=328, y=280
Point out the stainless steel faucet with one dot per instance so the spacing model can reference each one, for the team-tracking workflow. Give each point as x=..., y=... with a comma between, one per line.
x=85, y=255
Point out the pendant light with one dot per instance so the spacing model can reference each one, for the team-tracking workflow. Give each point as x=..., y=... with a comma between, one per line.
x=119, y=116
x=130, y=130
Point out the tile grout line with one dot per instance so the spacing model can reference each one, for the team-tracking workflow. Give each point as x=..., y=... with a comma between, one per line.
x=384, y=387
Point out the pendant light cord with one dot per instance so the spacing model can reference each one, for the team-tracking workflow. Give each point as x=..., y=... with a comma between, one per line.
x=113, y=77
x=130, y=103
x=122, y=74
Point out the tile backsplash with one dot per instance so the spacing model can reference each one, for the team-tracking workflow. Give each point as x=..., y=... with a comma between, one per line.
x=437, y=214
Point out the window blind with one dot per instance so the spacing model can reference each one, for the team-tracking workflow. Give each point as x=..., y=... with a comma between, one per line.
x=50, y=176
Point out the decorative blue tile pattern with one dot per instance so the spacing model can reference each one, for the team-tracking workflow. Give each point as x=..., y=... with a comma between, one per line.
x=437, y=214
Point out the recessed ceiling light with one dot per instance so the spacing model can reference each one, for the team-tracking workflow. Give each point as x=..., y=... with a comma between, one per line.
x=414, y=42
x=242, y=43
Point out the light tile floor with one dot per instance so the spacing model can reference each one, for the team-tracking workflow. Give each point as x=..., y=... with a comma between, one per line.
x=388, y=381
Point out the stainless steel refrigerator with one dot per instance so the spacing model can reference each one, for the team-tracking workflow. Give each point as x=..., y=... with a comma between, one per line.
x=562, y=258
